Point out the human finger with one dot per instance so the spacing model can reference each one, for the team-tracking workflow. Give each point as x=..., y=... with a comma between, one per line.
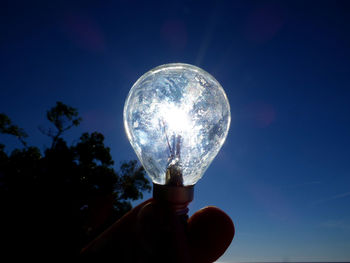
x=162, y=234
x=117, y=237
x=210, y=232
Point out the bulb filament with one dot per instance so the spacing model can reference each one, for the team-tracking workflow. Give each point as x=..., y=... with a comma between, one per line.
x=173, y=173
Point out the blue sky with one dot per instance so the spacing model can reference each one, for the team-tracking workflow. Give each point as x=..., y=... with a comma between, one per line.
x=283, y=174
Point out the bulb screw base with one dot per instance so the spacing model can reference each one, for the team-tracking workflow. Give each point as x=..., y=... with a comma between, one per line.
x=177, y=197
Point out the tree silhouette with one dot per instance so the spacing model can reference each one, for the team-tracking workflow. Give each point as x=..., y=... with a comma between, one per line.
x=6, y=127
x=63, y=117
x=56, y=201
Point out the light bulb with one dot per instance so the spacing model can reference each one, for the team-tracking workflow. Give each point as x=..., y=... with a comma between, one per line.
x=176, y=118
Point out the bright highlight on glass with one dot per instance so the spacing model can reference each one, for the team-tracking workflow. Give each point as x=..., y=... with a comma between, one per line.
x=176, y=117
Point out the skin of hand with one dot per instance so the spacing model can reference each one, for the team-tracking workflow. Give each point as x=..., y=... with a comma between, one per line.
x=151, y=232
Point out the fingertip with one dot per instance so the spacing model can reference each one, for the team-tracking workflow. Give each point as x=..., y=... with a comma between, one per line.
x=211, y=231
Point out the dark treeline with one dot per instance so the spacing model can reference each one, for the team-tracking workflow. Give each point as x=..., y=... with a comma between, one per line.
x=53, y=202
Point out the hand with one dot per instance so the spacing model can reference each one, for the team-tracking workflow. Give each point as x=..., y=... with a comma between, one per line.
x=152, y=233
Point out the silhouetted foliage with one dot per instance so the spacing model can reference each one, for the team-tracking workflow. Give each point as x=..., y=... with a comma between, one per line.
x=63, y=117
x=6, y=127
x=56, y=201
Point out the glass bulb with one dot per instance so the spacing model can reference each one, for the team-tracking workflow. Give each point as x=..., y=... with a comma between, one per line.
x=176, y=117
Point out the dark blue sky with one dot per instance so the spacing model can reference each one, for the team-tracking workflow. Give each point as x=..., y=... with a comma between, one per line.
x=283, y=174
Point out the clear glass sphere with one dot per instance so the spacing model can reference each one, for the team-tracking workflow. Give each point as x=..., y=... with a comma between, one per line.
x=176, y=117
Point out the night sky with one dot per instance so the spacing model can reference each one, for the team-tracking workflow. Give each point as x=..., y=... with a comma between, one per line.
x=283, y=174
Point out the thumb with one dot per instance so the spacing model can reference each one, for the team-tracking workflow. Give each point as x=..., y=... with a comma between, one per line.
x=210, y=232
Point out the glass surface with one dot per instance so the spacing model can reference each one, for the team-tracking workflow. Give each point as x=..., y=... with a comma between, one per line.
x=176, y=117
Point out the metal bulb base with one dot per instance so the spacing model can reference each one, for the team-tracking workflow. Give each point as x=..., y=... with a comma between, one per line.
x=176, y=198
